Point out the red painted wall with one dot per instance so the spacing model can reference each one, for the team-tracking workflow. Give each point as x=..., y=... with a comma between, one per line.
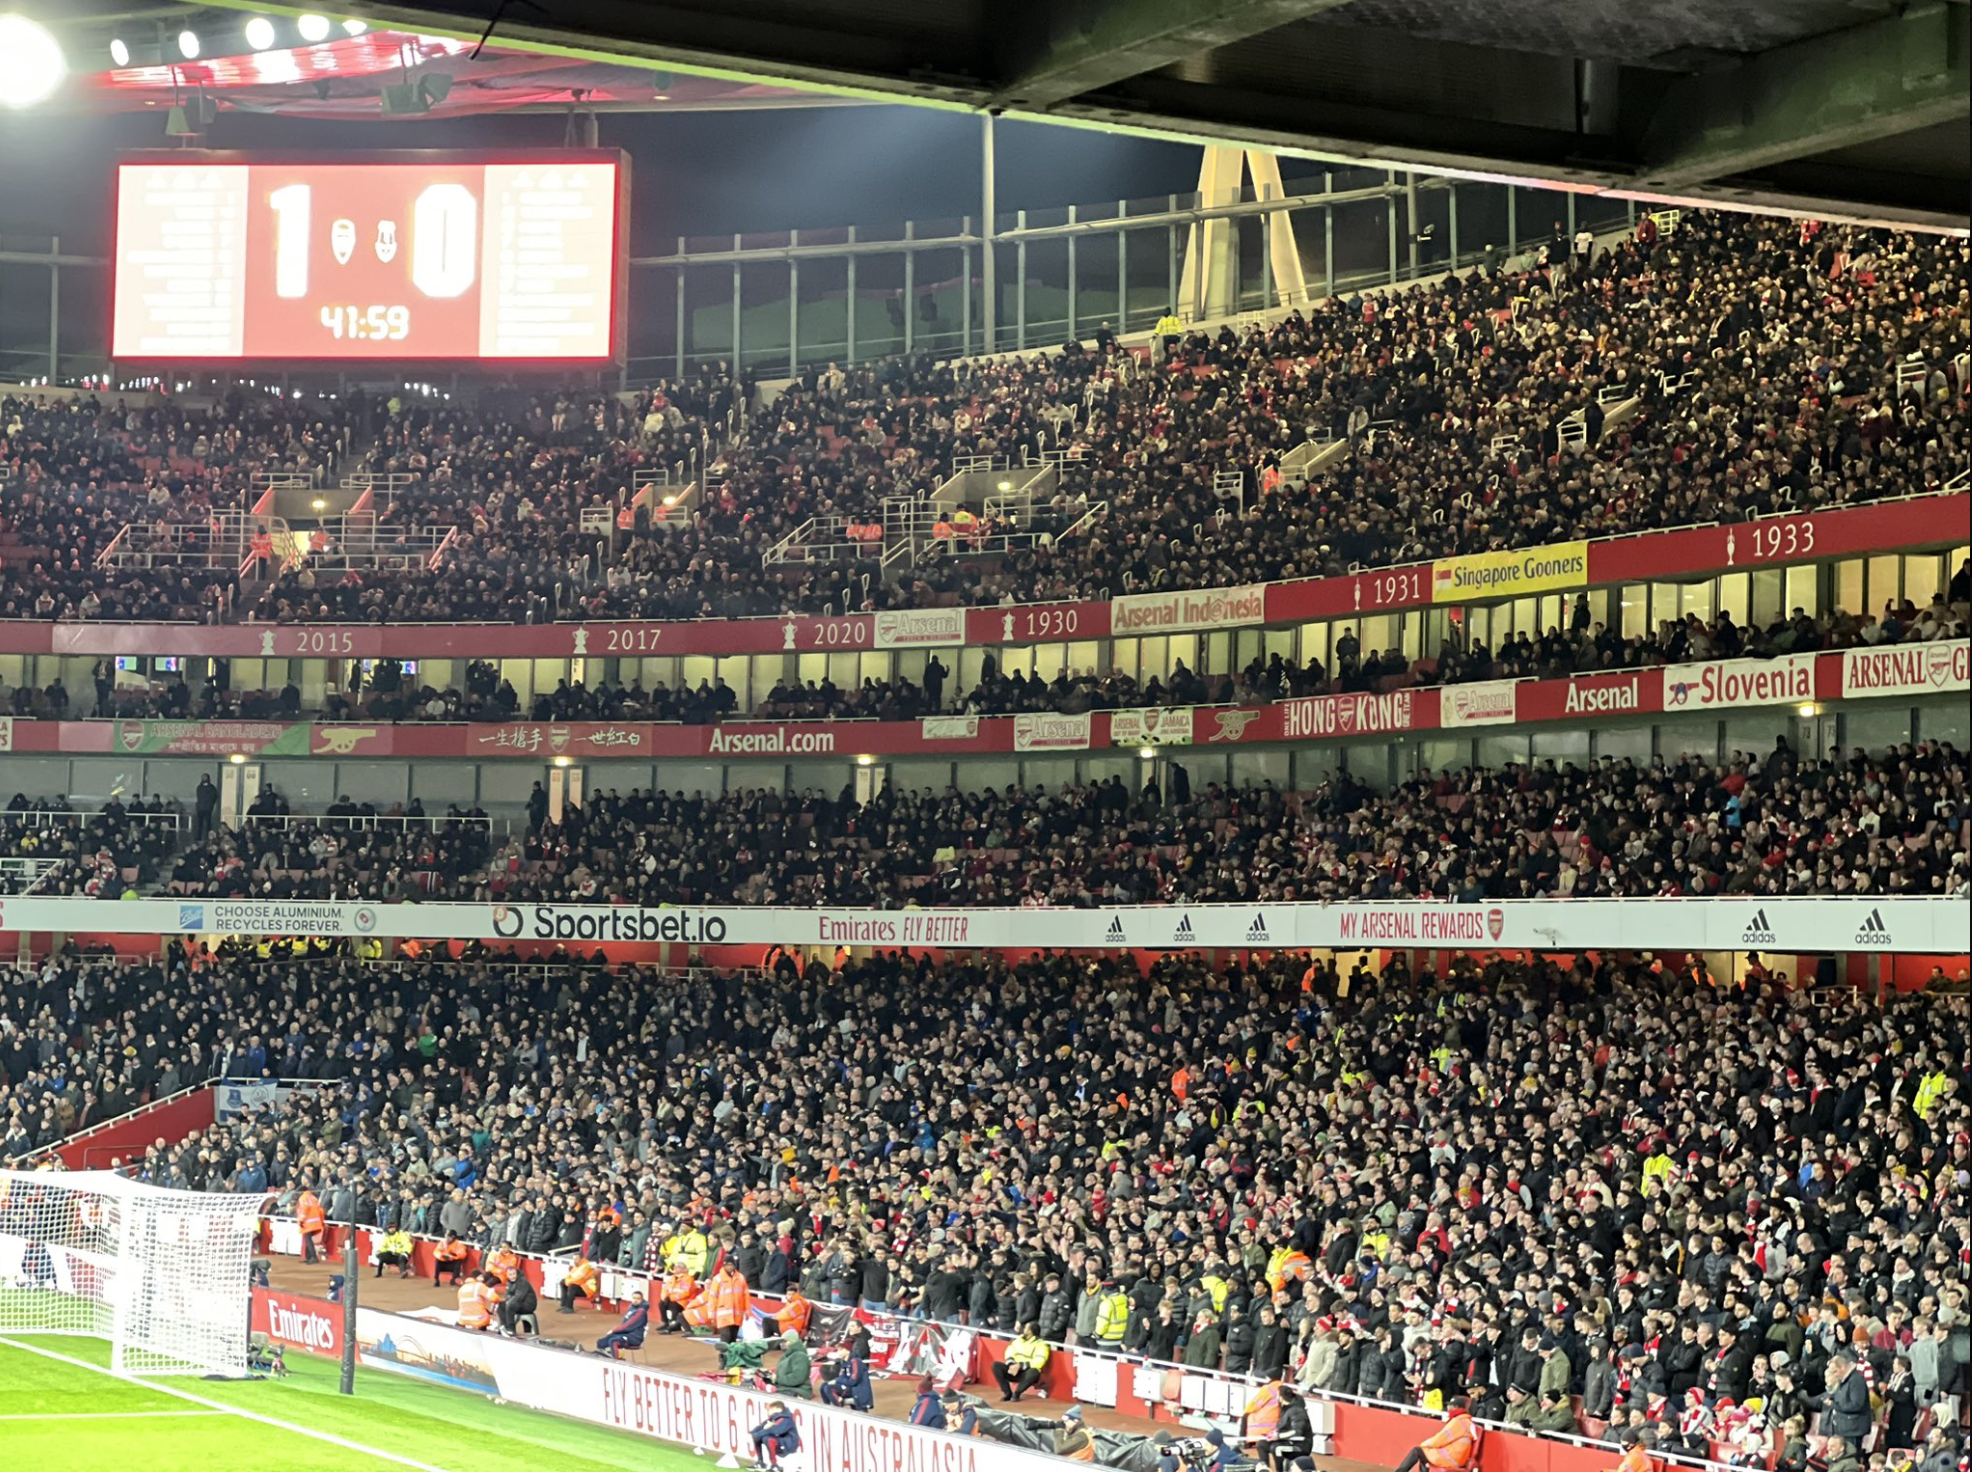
x=123, y=1138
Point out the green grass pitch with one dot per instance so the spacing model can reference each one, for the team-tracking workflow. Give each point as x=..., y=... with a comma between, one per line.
x=54, y=1414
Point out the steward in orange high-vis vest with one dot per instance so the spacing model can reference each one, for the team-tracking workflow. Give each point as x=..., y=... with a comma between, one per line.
x=580, y=1281
x=795, y=1313
x=1263, y=1412
x=1635, y=1458
x=1454, y=1445
x=475, y=1303
x=448, y=1256
x=724, y=1304
x=313, y=1221
x=678, y=1292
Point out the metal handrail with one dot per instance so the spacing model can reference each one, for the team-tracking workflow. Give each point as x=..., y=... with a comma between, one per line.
x=361, y=820
x=55, y=818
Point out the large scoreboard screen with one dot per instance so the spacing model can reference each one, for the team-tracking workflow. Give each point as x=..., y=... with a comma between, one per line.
x=411, y=257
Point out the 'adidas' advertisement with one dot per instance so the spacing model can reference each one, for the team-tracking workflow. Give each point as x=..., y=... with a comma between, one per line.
x=1874, y=930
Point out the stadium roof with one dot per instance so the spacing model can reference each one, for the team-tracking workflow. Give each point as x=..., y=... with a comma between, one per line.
x=1844, y=108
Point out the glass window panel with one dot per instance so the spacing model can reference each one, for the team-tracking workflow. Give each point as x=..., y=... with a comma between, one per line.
x=1699, y=738
x=1945, y=720
x=1562, y=746
x=91, y=783
x=439, y=785
x=1619, y=742
x=1313, y=765
x=1498, y=751
x=1185, y=647
x=1218, y=654
x=1436, y=754
x=1253, y=768
x=1664, y=603
x=1924, y=577
x=1314, y=643
x=504, y=786
x=1126, y=655
x=1100, y=769
x=1369, y=763
x=1695, y=598
x=824, y=779
x=1733, y=594
x=1201, y=767
x=310, y=787
x=1636, y=611
x=1849, y=595
x=1769, y=593
x=1086, y=654
x=1756, y=733
x=1876, y=724
x=1156, y=658
x=1049, y=659
x=1054, y=772
x=383, y=783
x=1379, y=633
x=1885, y=581
x=917, y=774
x=981, y=776
x=35, y=776
x=695, y=779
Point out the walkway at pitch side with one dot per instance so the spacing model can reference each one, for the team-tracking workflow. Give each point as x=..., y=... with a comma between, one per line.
x=682, y=1356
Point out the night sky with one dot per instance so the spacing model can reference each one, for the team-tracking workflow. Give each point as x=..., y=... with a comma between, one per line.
x=693, y=173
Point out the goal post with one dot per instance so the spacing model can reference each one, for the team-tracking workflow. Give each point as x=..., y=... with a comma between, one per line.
x=165, y=1276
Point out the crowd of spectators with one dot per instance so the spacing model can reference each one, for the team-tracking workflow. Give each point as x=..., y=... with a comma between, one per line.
x=106, y=853
x=514, y=475
x=352, y=851
x=1759, y=824
x=1762, y=357
x=80, y=470
x=1735, y=367
x=1665, y=1192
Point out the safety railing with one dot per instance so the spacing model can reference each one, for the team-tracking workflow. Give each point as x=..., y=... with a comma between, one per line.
x=45, y=818
x=332, y=820
x=385, y=485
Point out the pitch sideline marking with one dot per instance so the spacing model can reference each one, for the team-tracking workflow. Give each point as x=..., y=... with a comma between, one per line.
x=221, y=1408
x=102, y=1415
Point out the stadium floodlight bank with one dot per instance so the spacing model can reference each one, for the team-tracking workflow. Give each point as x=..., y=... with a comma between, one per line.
x=164, y=1276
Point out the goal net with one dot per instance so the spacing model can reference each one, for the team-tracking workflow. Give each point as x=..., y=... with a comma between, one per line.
x=163, y=1275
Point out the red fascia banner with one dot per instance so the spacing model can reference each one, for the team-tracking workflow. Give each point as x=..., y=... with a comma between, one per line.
x=1912, y=670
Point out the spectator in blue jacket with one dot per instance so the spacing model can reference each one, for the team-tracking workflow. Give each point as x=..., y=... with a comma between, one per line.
x=851, y=1385
x=629, y=1331
x=776, y=1437
x=929, y=1410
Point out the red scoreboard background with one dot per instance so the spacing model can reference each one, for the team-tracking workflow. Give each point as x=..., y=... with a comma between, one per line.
x=406, y=257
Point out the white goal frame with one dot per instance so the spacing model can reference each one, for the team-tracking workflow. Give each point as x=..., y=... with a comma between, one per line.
x=165, y=1276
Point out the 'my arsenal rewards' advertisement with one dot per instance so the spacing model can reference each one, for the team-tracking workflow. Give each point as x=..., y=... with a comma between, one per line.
x=424, y=257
